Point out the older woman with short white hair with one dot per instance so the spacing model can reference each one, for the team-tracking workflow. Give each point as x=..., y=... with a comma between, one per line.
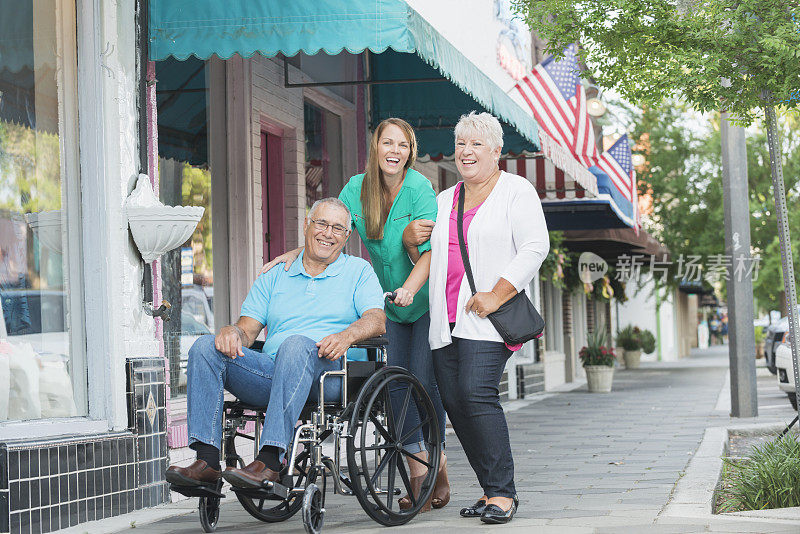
x=506, y=241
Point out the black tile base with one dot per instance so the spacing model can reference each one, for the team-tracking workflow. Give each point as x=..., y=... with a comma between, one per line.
x=48, y=485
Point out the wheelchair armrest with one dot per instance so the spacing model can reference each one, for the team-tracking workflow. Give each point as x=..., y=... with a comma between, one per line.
x=371, y=343
x=257, y=345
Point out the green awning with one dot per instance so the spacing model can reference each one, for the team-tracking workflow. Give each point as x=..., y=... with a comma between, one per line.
x=202, y=28
x=432, y=108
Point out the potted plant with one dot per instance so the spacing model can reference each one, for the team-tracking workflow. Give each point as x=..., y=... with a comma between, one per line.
x=598, y=361
x=648, y=341
x=629, y=338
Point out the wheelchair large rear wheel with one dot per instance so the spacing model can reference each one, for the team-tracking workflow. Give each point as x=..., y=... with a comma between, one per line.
x=275, y=510
x=375, y=454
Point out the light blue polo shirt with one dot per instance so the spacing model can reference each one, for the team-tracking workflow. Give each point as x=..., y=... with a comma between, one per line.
x=293, y=302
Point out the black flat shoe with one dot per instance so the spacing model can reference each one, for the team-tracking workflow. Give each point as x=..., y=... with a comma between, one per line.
x=495, y=515
x=475, y=510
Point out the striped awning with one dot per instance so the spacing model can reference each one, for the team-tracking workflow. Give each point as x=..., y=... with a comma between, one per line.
x=551, y=182
x=556, y=174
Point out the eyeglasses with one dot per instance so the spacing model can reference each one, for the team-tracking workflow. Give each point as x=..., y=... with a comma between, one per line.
x=337, y=229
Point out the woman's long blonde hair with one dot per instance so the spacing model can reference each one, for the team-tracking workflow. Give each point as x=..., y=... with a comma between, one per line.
x=374, y=204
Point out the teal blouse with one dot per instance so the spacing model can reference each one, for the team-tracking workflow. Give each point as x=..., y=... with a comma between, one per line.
x=415, y=200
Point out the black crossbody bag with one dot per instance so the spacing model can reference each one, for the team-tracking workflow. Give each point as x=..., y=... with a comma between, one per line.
x=517, y=321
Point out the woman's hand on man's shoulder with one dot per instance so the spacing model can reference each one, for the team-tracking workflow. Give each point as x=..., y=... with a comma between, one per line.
x=287, y=258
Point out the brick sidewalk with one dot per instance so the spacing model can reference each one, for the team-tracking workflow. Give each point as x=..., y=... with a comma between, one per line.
x=584, y=462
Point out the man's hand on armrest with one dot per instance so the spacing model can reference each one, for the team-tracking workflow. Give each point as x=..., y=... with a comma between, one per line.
x=371, y=324
x=232, y=338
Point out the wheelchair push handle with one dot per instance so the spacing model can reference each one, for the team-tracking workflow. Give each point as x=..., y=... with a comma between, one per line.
x=391, y=295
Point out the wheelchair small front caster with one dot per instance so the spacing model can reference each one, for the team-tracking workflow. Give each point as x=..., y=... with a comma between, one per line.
x=313, y=509
x=209, y=513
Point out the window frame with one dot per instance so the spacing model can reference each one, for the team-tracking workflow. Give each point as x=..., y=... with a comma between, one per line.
x=70, y=165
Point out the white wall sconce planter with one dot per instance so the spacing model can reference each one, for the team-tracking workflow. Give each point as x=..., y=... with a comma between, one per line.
x=46, y=226
x=156, y=227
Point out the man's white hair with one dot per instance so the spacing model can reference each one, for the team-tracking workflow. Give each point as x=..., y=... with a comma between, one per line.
x=334, y=202
x=481, y=125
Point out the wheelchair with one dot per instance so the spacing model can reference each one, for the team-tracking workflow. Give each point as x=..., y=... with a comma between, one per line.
x=371, y=427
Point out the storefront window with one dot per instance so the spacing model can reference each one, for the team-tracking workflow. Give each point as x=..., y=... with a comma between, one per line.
x=316, y=156
x=187, y=272
x=41, y=376
x=323, y=137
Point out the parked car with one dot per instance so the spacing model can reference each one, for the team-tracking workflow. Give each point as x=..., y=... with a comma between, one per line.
x=785, y=371
x=772, y=341
x=199, y=302
x=191, y=329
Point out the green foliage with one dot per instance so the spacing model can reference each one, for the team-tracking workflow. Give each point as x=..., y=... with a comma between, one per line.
x=596, y=352
x=770, y=478
x=557, y=261
x=30, y=165
x=649, y=49
x=648, y=341
x=760, y=335
x=629, y=338
x=683, y=174
x=196, y=191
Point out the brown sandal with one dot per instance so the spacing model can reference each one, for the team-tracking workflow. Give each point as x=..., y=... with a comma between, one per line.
x=441, y=482
x=405, y=503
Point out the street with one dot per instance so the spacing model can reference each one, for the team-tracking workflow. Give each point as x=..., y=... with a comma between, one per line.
x=584, y=462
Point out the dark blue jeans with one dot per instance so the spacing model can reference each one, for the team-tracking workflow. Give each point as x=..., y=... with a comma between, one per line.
x=409, y=348
x=468, y=373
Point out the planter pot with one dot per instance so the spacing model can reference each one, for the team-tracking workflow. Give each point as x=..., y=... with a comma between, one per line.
x=599, y=378
x=632, y=358
x=619, y=354
x=157, y=228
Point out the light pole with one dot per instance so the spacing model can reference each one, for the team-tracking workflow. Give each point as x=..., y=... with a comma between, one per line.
x=742, y=345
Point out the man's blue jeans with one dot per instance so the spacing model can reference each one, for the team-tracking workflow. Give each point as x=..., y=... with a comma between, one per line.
x=283, y=385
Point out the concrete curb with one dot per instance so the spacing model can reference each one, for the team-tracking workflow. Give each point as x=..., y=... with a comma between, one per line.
x=693, y=495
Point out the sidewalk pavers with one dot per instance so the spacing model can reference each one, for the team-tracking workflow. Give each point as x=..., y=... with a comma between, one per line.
x=584, y=462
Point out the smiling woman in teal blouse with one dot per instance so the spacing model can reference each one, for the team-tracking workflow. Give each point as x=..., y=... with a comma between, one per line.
x=394, y=211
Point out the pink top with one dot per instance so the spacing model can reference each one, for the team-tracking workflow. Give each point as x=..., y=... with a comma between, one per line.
x=455, y=266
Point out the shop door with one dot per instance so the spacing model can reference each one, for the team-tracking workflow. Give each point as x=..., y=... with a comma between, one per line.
x=272, y=220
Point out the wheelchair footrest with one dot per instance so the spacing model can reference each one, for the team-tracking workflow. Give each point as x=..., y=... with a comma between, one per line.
x=272, y=490
x=203, y=490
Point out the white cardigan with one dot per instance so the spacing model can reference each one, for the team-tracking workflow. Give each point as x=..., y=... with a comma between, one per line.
x=507, y=238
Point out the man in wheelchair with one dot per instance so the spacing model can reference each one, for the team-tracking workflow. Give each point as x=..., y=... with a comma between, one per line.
x=313, y=312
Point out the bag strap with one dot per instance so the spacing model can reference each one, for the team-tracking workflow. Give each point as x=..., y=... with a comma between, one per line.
x=460, y=225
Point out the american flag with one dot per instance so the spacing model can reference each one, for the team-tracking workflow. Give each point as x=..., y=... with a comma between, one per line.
x=616, y=163
x=554, y=92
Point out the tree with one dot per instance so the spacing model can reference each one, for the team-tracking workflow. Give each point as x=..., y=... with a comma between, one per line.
x=649, y=49
x=683, y=171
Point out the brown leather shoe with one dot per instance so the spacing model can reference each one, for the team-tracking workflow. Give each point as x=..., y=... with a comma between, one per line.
x=196, y=474
x=254, y=475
